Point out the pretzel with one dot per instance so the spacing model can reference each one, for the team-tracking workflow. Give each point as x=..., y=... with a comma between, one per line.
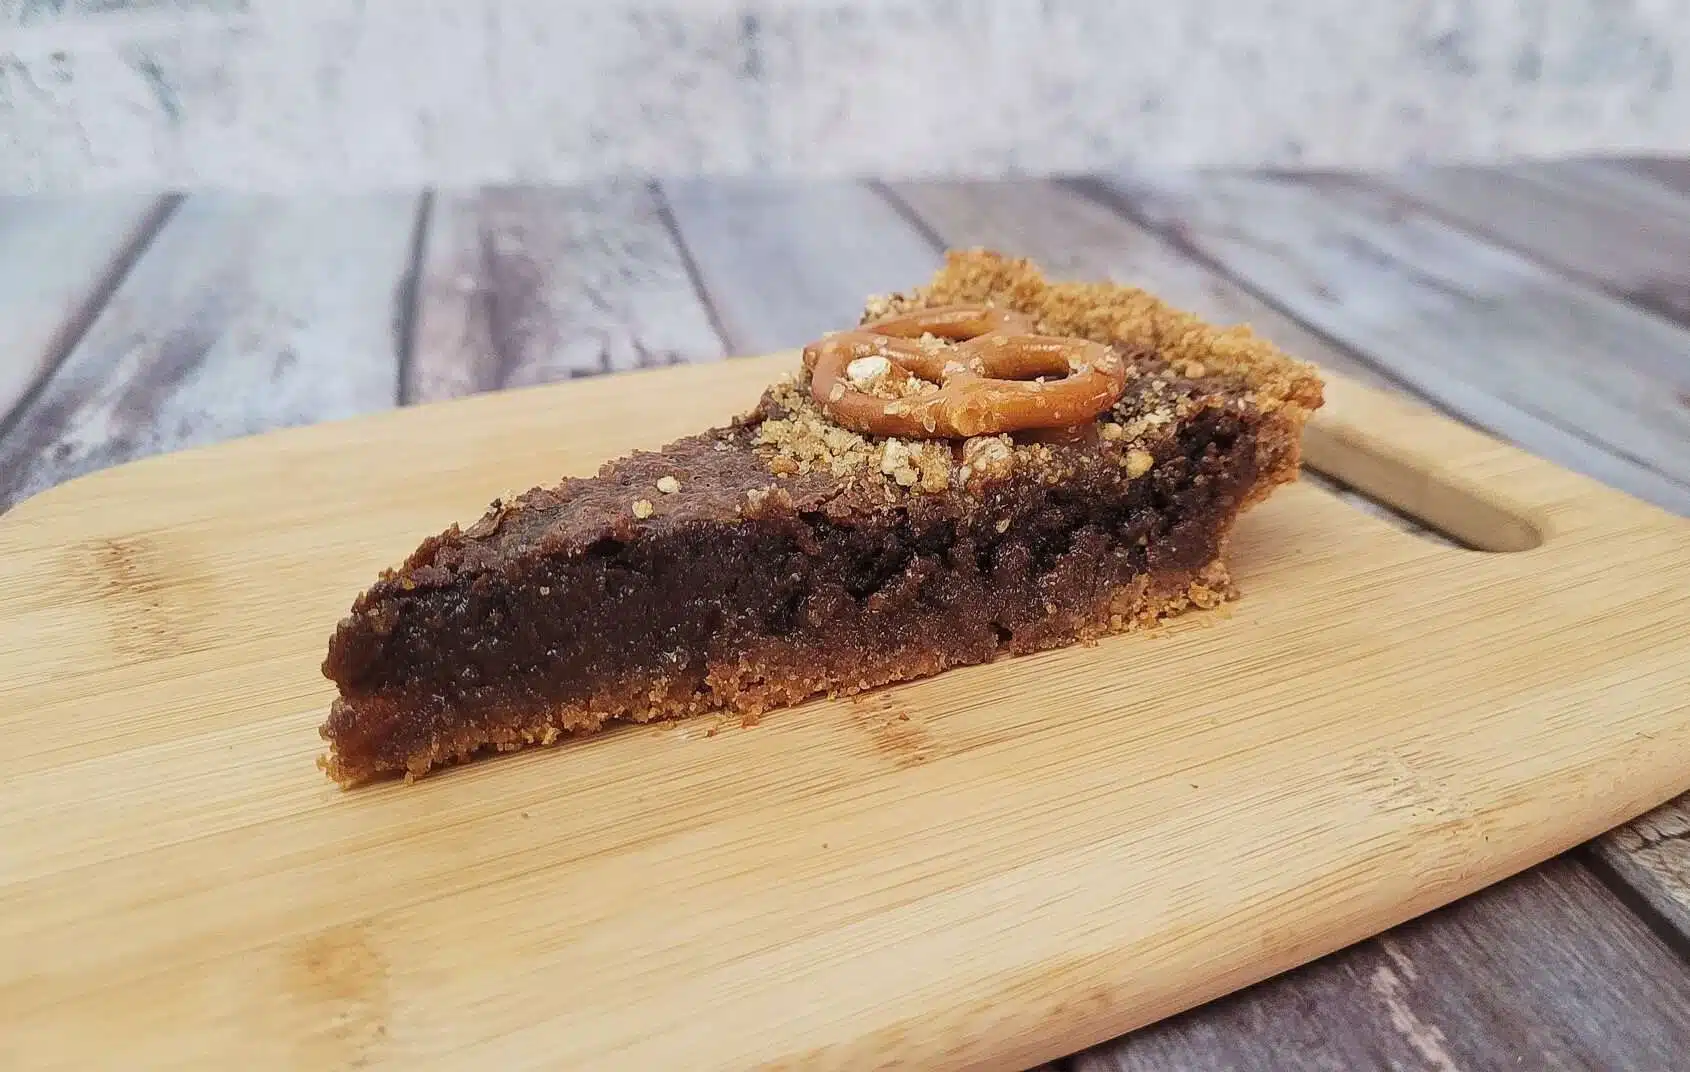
x=988, y=375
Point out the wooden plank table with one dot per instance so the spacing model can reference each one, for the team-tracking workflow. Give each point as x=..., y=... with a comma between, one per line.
x=1548, y=304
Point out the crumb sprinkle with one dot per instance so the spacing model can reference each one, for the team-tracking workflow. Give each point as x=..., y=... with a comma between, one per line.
x=866, y=370
x=643, y=508
x=668, y=485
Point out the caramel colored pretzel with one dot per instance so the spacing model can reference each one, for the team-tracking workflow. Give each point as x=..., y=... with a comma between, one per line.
x=988, y=371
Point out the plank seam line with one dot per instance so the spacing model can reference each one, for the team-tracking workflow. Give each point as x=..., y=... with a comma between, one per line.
x=405, y=300
x=1567, y=180
x=1100, y=194
x=1572, y=276
x=1631, y=164
x=77, y=325
x=1572, y=279
x=1634, y=900
x=907, y=212
x=666, y=213
x=1122, y=204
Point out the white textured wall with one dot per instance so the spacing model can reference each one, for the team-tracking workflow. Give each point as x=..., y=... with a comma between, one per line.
x=279, y=94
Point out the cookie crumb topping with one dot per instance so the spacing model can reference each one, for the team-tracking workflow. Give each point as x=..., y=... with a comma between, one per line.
x=864, y=372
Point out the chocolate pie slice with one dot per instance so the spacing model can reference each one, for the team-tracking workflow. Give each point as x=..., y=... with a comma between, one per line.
x=987, y=465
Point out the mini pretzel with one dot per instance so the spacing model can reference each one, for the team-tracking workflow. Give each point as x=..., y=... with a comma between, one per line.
x=986, y=377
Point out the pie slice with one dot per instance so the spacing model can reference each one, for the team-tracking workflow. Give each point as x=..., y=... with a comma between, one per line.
x=989, y=465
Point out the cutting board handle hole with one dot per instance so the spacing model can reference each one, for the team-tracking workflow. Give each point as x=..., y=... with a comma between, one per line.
x=1463, y=516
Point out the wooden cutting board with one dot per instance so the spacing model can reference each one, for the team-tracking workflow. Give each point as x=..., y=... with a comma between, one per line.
x=989, y=868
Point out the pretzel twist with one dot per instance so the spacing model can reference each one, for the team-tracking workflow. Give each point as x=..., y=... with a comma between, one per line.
x=991, y=371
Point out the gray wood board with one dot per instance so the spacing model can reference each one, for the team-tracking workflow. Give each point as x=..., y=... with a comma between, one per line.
x=1071, y=236
x=1545, y=971
x=526, y=286
x=782, y=263
x=244, y=314
x=1483, y=331
x=1669, y=171
x=59, y=258
x=1622, y=231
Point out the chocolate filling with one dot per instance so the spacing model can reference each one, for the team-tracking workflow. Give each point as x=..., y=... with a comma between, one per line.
x=661, y=621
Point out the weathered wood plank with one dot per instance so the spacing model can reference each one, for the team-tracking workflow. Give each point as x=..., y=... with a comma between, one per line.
x=59, y=258
x=1546, y=971
x=781, y=263
x=1652, y=857
x=1483, y=331
x=245, y=314
x=1623, y=232
x=1597, y=182
x=1672, y=172
x=1072, y=236
x=526, y=286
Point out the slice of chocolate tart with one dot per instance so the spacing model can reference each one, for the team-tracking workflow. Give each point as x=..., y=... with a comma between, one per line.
x=988, y=465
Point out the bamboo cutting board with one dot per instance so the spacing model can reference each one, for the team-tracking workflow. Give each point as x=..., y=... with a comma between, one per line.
x=989, y=868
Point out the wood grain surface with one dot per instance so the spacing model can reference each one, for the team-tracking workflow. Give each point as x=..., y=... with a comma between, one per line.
x=1074, y=237
x=1546, y=971
x=59, y=258
x=511, y=257
x=781, y=264
x=1672, y=172
x=525, y=286
x=1649, y=860
x=243, y=315
x=1625, y=229
x=1108, y=835
x=1616, y=229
